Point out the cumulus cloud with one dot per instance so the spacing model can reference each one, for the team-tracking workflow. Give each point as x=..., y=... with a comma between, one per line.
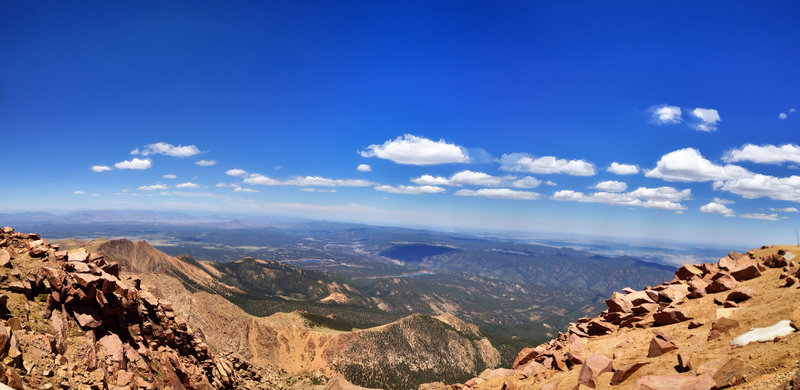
x=785, y=209
x=528, y=182
x=550, y=183
x=467, y=177
x=242, y=189
x=78, y=192
x=153, y=187
x=169, y=150
x=236, y=172
x=135, y=163
x=412, y=190
x=611, y=186
x=307, y=181
x=761, y=216
x=666, y=114
x=188, y=184
x=765, y=154
x=688, y=165
x=413, y=150
x=623, y=169
x=205, y=163
x=170, y=176
x=782, y=115
x=364, y=168
x=758, y=186
x=664, y=198
x=500, y=193
x=100, y=168
x=522, y=162
x=717, y=208
x=723, y=201
x=708, y=118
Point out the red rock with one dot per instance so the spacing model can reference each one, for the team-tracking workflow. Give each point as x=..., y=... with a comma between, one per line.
x=673, y=293
x=618, y=303
x=628, y=290
x=598, y=328
x=687, y=271
x=745, y=270
x=641, y=297
x=85, y=279
x=714, y=335
x=794, y=383
x=795, y=320
x=660, y=346
x=524, y=356
x=789, y=281
x=645, y=308
x=684, y=362
x=592, y=368
x=730, y=304
x=695, y=324
x=5, y=258
x=77, y=266
x=696, y=283
x=113, y=346
x=625, y=372
x=723, y=282
x=87, y=317
x=78, y=255
x=674, y=382
x=670, y=316
x=730, y=374
x=551, y=386
x=724, y=325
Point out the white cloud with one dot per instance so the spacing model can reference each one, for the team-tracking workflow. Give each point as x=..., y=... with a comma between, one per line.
x=550, y=183
x=153, y=187
x=467, y=177
x=666, y=114
x=723, y=201
x=94, y=194
x=500, y=193
x=782, y=115
x=412, y=150
x=78, y=192
x=664, y=198
x=521, y=162
x=364, y=168
x=170, y=176
x=136, y=163
x=188, y=184
x=101, y=168
x=785, y=210
x=611, y=186
x=661, y=193
x=135, y=151
x=623, y=169
x=205, y=163
x=708, y=119
x=260, y=179
x=528, y=182
x=224, y=185
x=307, y=181
x=688, y=165
x=241, y=189
x=431, y=180
x=169, y=150
x=332, y=190
x=717, y=208
x=766, y=154
x=757, y=186
x=236, y=172
x=761, y=216
x=412, y=190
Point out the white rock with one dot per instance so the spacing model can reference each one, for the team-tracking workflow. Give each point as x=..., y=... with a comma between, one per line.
x=769, y=333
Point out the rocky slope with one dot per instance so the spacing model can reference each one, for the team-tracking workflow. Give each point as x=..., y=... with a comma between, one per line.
x=71, y=320
x=689, y=333
x=398, y=355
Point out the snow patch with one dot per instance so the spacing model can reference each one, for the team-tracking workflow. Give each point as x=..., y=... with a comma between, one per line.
x=769, y=333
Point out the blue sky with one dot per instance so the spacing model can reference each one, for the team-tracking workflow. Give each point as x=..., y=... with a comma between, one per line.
x=514, y=110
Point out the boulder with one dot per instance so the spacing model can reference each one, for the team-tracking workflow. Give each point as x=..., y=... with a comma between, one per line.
x=659, y=346
x=113, y=346
x=687, y=271
x=695, y=324
x=673, y=293
x=741, y=294
x=723, y=282
x=670, y=316
x=5, y=258
x=618, y=303
x=730, y=374
x=86, y=280
x=684, y=362
x=524, y=356
x=745, y=270
x=724, y=325
x=625, y=372
x=674, y=382
x=598, y=328
x=592, y=368
x=795, y=320
x=87, y=317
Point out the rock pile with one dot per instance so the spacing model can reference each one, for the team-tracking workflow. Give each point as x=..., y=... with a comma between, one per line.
x=72, y=321
x=653, y=307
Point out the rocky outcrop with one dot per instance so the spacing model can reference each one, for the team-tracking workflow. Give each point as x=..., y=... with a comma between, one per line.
x=71, y=320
